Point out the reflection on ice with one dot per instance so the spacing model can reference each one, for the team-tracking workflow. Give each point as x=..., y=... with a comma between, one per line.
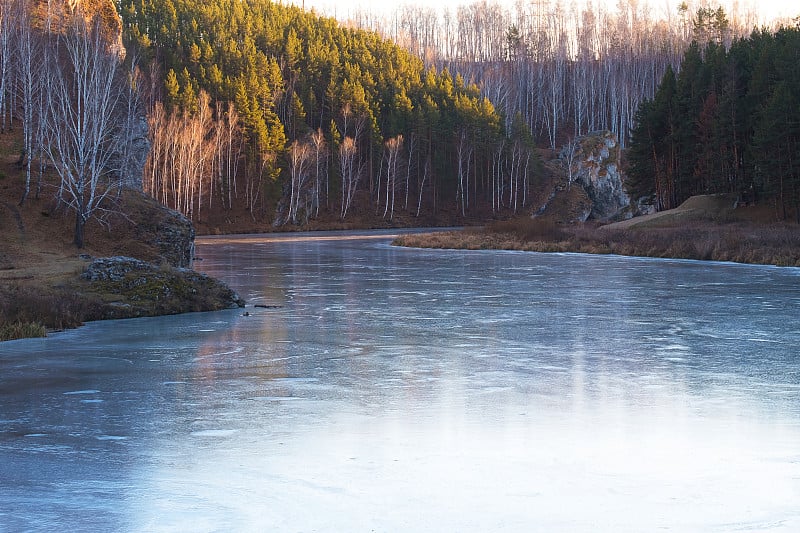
x=407, y=390
x=214, y=433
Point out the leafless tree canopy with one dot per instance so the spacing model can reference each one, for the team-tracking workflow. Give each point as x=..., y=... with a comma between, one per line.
x=567, y=68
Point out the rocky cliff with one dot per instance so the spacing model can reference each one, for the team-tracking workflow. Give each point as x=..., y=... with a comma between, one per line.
x=597, y=171
x=57, y=15
x=591, y=184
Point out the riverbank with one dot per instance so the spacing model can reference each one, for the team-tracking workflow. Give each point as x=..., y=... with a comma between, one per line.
x=733, y=235
x=44, y=284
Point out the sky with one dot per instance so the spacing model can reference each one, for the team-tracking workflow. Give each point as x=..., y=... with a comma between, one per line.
x=768, y=9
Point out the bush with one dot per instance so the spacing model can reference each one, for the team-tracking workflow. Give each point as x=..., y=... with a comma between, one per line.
x=22, y=330
x=50, y=308
x=530, y=229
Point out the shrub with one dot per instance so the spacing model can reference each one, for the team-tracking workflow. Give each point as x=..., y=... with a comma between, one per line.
x=50, y=308
x=530, y=229
x=21, y=330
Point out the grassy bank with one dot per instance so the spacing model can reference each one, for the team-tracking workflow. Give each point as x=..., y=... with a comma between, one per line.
x=31, y=308
x=41, y=288
x=741, y=242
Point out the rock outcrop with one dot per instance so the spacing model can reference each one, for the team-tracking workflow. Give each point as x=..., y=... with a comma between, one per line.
x=167, y=235
x=138, y=288
x=592, y=162
x=159, y=279
x=174, y=237
x=59, y=15
x=588, y=184
x=132, y=166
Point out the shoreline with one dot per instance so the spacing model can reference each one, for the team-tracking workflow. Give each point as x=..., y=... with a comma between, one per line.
x=752, y=244
x=53, y=301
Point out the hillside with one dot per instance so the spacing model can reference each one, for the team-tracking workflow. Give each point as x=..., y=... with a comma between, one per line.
x=295, y=119
x=40, y=269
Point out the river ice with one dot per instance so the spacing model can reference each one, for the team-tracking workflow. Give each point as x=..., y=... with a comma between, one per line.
x=388, y=389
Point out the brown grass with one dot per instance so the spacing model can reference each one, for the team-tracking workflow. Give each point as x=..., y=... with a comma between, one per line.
x=741, y=242
x=27, y=307
x=21, y=330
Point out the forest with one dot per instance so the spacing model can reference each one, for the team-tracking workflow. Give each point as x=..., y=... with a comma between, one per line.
x=728, y=121
x=290, y=116
x=293, y=113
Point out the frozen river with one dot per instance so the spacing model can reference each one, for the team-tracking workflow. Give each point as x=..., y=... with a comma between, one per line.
x=390, y=389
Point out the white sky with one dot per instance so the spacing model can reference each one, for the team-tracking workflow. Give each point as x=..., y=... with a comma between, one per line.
x=768, y=9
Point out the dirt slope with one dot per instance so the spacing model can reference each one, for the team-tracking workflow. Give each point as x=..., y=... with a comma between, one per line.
x=703, y=207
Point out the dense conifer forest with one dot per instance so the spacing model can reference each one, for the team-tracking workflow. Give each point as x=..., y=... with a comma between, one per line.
x=293, y=114
x=728, y=121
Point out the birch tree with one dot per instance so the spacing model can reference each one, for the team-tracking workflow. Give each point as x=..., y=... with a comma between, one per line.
x=83, y=126
x=320, y=167
x=299, y=166
x=28, y=48
x=351, y=173
x=569, y=158
x=6, y=60
x=393, y=147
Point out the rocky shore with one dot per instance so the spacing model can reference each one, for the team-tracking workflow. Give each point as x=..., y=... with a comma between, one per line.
x=137, y=266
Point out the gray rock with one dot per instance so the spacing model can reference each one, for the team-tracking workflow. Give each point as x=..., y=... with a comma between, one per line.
x=595, y=167
x=134, y=156
x=169, y=231
x=115, y=268
x=152, y=290
x=175, y=240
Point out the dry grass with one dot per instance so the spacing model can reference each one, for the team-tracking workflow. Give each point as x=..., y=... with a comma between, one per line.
x=22, y=330
x=768, y=244
x=29, y=309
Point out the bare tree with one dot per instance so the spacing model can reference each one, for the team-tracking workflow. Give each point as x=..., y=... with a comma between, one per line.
x=299, y=165
x=83, y=123
x=350, y=170
x=393, y=147
x=28, y=48
x=412, y=143
x=569, y=158
x=350, y=165
x=232, y=146
x=464, y=150
x=7, y=18
x=320, y=166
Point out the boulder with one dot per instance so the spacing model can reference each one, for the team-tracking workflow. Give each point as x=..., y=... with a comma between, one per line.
x=115, y=268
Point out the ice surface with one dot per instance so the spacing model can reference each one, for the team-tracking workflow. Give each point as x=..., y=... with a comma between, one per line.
x=409, y=390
